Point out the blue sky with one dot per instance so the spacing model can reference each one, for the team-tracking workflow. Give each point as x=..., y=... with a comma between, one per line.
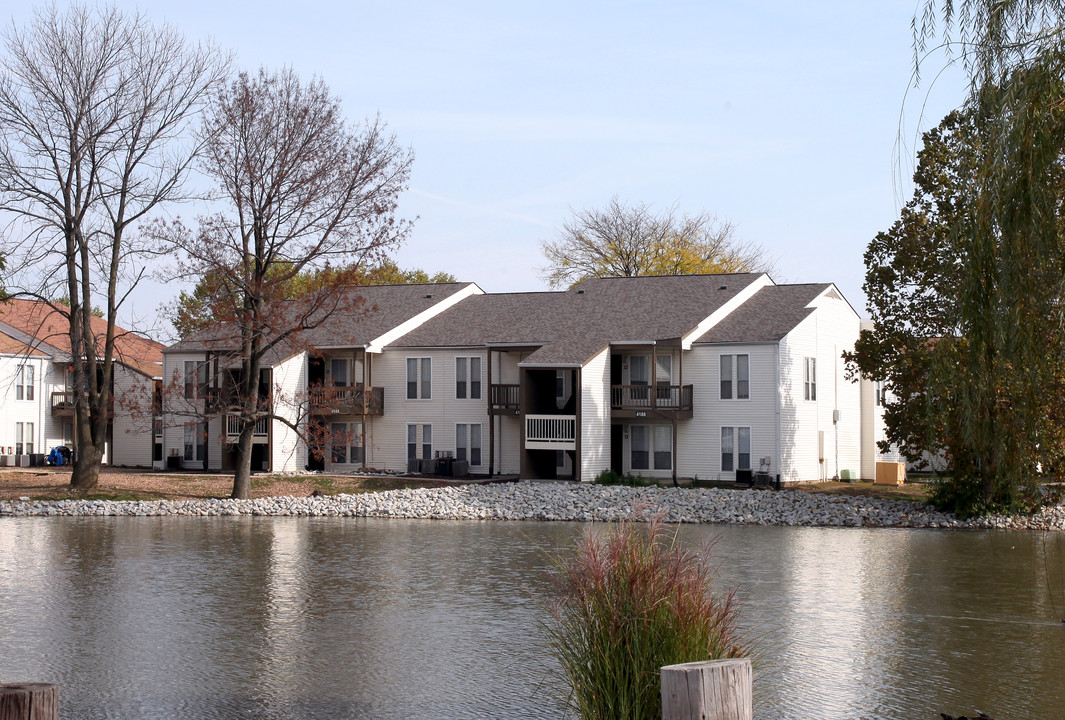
x=780, y=117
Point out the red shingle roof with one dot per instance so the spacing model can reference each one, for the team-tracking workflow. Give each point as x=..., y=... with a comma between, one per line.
x=40, y=321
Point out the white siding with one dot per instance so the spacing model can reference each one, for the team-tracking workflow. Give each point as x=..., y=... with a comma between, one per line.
x=37, y=411
x=699, y=439
x=386, y=436
x=595, y=416
x=132, y=426
x=288, y=451
x=824, y=335
x=177, y=410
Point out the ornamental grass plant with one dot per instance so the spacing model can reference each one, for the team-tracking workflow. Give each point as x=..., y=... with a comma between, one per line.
x=625, y=603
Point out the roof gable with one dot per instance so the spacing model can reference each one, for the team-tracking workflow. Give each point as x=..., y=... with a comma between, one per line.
x=44, y=327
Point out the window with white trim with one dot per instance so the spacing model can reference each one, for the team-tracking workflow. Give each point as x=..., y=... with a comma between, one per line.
x=195, y=379
x=878, y=393
x=24, y=382
x=194, y=442
x=651, y=446
x=468, y=378
x=468, y=443
x=809, y=378
x=735, y=448
x=24, y=438
x=419, y=378
x=735, y=377
x=345, y=441
x=419, y=441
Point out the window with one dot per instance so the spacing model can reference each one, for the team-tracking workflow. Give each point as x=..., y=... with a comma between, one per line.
x=878, y=393
x=468, y=378
x=24, y=438
x=468, y=443
x=419, y=437
x=346, y=443
x=639, y=374
x=809, y=378
x=338, y=371
x=735, y=377
x=651, y=444
x=419, y=378
x=195, y=379
x=24, y=382
x=735, y=448
x=194, y=442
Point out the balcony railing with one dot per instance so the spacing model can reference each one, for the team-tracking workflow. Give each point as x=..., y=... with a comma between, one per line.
x=356, y=400
x=63, y=401
x=262, y=428
x=550, y=432
x=647, y=397
x=504, y=399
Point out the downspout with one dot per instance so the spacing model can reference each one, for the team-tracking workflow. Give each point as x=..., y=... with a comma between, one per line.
x=491, y=421
x=776, y=386
x=366, y=388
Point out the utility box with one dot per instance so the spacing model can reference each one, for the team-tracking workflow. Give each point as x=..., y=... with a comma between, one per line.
x=890, y=473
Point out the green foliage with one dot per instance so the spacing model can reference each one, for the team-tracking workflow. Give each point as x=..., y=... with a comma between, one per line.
x=965, y=293
x=611, y=477
x=626, y=603
x=629, y=241
x=65, y=301
x=214, y=297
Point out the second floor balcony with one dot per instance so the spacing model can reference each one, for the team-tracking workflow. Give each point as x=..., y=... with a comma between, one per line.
x=637, y=400
x=504, y=400
x=63, y=404
x=358, y=400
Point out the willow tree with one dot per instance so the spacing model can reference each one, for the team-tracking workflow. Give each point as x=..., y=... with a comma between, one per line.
x=623, y=240
x=96, y=112
x=305, y=198
x=991, y=387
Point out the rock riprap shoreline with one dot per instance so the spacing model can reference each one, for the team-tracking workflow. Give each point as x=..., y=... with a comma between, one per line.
x=563, y=501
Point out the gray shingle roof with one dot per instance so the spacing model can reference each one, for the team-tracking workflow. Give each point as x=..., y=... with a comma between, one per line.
x=770, y=314
x=383, y=307
x=571, y=326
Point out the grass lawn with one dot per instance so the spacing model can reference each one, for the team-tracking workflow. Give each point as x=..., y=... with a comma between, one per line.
x=119, y=484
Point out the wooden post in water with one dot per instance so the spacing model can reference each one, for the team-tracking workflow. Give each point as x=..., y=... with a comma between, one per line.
x=29, y=701
x=709, y=690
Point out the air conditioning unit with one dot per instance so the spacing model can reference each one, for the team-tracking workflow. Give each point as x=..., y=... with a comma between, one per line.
x=744, y=477
x=414, y=465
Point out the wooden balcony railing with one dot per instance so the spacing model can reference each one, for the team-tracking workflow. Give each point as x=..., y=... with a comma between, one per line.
x=646, y=397
x=551, y=432
x=63, y=402
x=356, y=400
x=504, y=399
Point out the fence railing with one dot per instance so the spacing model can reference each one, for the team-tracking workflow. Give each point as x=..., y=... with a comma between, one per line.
x=504, y=397
x=646, y=397
x=551, y=432
x=347, y=400
x=262, y=427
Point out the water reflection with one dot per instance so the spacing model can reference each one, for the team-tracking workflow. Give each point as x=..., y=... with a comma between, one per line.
x=344, y=618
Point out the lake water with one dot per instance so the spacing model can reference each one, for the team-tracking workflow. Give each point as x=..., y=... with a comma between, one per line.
x=331, y=618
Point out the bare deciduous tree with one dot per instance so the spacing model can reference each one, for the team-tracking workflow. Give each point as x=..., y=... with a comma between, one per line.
x=95, y=108
x=627, y=241
x=304, y=188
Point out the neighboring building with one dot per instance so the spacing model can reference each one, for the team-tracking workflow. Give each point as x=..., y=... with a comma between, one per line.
x=37, y=411
x=715, y=376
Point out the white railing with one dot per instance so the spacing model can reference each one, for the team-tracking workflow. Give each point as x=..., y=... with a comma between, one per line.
x=551, y=432
x=262, y=427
